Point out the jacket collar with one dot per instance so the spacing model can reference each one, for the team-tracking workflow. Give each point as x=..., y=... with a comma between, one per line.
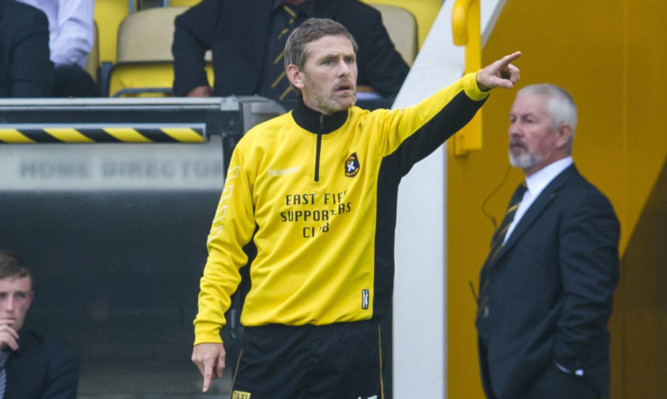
x=316, y=122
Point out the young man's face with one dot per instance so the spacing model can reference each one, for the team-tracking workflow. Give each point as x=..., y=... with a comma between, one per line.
x=328, y=82
x=15, y=298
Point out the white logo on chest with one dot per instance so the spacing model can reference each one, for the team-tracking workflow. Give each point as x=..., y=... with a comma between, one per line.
x=283, y=172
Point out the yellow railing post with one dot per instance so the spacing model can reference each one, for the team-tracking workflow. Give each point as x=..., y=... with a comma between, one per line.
x=466, y=30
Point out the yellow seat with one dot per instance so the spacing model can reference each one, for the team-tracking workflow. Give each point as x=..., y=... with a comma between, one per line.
x=401, y=26
x=144, y=66
x=108, y=16
x=184, y=3
x=424, y=11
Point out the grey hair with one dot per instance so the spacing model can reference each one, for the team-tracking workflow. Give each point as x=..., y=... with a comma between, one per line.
x=560, y=105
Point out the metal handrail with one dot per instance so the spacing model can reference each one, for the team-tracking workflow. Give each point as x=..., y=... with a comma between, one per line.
x=466, y=31
x=460, y=21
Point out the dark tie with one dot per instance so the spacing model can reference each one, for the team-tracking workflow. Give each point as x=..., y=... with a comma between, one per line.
x=499, y=237
x=497, y=244
x=3, y=375
x=279, y=86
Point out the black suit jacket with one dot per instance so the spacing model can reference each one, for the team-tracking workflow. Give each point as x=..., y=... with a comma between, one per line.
x=237, y=32
x=25, y=68
x=548, y=294
x=40, y=370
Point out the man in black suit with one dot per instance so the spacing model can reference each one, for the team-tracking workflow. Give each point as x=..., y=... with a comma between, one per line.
x=546, y=287
x=25, y=68
x=33, y=367
x=242, y=36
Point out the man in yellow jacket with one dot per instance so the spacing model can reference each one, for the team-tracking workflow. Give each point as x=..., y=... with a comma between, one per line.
x=316, y=189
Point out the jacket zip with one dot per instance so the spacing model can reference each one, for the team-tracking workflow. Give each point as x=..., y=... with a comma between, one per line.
x=318, y=149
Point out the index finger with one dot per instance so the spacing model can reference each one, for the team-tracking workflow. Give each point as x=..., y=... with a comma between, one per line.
x=208, y=371
x=506, y=60
x=8, y=342
x=9, y=330
x=8, y=337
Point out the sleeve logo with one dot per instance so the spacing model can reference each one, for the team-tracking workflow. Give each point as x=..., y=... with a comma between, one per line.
x=352, y=165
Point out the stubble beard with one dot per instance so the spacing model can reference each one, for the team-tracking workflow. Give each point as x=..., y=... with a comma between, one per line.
x=337, y=104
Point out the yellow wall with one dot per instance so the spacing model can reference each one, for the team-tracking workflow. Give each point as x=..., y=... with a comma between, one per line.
x=643, y=298
x=611, y=57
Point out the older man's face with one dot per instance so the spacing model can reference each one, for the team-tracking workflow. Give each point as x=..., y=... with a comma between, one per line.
x=533, y=140
x=328, y=82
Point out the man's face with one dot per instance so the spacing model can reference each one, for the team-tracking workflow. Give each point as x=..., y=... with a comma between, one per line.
x=15, y=298
x=329, y=77
x=533, y=140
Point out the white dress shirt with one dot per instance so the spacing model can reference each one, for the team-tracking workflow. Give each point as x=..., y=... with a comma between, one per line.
x=536, y=183
x=71, y=29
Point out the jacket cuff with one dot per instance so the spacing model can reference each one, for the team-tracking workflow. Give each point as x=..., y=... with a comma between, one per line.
x=207, y=332
x=471, y=89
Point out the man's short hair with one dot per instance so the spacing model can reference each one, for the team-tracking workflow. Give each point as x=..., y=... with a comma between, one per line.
x=11, y=265
x=296, y=48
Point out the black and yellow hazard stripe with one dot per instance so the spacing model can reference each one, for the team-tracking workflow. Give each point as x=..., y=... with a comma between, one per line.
x=146, y=133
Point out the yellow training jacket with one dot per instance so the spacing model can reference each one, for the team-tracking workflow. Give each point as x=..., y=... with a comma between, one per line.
x=321, y=192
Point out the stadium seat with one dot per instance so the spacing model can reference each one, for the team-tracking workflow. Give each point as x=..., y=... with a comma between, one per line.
x=108, y=16
x=424, y=11
x=144, y=64
x=402, y=29
x=183, y=3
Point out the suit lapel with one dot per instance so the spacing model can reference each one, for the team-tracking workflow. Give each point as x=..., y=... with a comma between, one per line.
x=541, y=203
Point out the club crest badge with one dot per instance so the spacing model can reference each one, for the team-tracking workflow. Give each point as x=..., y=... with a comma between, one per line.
x=352, y=165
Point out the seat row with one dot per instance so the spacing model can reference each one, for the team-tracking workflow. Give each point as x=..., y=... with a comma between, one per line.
x=132, y=56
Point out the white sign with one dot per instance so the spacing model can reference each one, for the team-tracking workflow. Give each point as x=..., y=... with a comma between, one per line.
x=93, y=167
